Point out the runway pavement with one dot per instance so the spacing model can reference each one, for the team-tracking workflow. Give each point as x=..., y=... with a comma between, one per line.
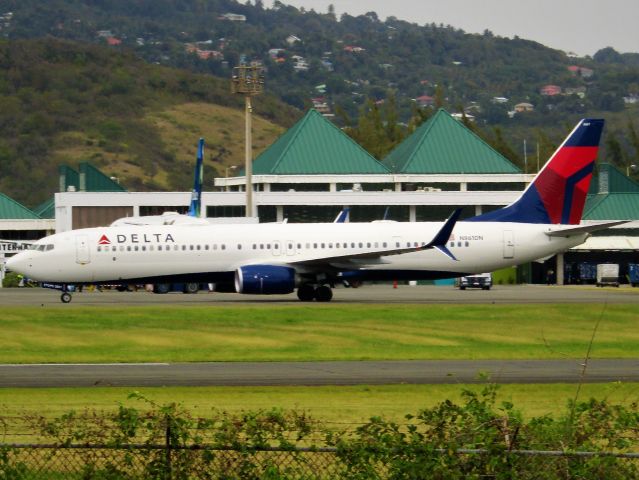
x=377, y=294
x=318, y=373
x=325, y=373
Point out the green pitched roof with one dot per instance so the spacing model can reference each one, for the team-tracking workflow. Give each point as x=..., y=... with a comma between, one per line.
x=609, y=179
x=612, y=206
x=96, y=181
x=444, y=145
x=46, y=209
x=12, y=210
x=315, y=146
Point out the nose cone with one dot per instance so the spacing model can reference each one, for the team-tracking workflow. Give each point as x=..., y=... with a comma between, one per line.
x=19, y=263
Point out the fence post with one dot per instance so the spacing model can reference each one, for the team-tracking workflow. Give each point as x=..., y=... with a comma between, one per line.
x=169, y=467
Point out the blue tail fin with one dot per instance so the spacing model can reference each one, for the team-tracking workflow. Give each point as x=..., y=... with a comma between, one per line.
x=557, y=195
x=196, y=193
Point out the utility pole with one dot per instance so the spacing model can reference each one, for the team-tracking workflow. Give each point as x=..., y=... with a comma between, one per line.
x=248, y=81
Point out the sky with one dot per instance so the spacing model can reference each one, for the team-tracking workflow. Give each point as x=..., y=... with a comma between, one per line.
x=579, y=26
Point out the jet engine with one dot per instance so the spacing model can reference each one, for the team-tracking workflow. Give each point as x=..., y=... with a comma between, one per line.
x=264, y=279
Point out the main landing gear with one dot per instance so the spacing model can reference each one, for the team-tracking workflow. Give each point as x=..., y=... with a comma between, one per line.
x=308, y=292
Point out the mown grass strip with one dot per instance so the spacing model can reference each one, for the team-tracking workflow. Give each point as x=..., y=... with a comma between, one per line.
x=314, y=332
x=341, y=405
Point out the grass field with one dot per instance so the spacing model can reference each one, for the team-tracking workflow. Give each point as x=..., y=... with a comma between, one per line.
x=314, y=332
x=342, y=405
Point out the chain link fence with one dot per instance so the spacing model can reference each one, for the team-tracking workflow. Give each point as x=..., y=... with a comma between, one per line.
x=104, y=462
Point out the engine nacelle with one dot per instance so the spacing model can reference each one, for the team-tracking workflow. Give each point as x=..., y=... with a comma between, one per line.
x=264, y=279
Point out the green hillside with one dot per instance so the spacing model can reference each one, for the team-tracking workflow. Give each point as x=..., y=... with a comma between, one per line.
x=64, y=102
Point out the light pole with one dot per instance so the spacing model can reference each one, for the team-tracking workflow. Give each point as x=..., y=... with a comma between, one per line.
x=232, y=167
x=248, y=81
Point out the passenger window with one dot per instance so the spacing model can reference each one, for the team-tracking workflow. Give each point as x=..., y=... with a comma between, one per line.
x=330, y=245
x=223, y=247
x=206, y=247
x=190, y=247
x=466, y=244
x=352, y=244
x=452, y=244
x=159, y=248
x=128, y=248
x=396, y=244
x=323, y=245
x=368, y=244
x=99, y=249
x=315, y=245
x=198, y=247
x=261, y=246
x=143, y=248
x=376, y=245
x=254, y=247
x=175, y=247
x=183, y=247
x=384, y=245
x=268, y=246
x=136, y=248
x=459, y=244
x=239, y=246
x=308, y=246
x=114, y=248
x=299, y=246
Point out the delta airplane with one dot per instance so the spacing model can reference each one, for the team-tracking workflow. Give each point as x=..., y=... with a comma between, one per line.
x=277, y=258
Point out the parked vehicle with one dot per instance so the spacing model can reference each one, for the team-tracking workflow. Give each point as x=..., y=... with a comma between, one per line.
x=633, y=274
x=608, y=274
x=481, y=280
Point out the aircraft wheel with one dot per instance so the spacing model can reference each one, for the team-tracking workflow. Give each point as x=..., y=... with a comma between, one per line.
x=323, y=293
x=162, y=288
x=306, y=293
x=65, y=297
x=191, y=288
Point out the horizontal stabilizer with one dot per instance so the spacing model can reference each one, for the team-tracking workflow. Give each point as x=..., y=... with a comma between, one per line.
x=595, y=227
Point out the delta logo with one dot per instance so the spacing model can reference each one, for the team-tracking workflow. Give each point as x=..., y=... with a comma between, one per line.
x=104, y=240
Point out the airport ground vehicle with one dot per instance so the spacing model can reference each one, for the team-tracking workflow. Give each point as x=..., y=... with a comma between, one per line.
x=481, y=280
x=633, y=274
x=608, y=274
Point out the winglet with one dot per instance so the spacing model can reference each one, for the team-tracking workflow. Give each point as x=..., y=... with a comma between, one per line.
x=441, y=239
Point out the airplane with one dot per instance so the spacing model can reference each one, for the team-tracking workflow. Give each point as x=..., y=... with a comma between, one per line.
x=175, y=218
x=278, y=258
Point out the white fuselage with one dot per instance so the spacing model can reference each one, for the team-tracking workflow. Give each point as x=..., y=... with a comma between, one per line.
x=134, y=252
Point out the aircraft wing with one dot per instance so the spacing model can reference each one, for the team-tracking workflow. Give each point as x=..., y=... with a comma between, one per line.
x=579, y=229
x=373, y=256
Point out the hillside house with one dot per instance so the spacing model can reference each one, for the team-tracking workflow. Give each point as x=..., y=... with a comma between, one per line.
x=233, y=17
x=550, y=90
x=292, y=40
x=424, y=101
x=113, y=41
x=524, y=107
x=581, y=71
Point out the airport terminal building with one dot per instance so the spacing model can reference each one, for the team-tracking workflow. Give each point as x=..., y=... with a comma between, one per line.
x=314, y=170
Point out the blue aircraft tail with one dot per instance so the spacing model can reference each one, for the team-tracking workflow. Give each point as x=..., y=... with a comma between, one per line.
x=196, y=193
x=558, y=193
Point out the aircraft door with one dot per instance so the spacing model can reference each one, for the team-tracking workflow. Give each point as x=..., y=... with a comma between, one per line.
x=509, y=244
x=82, y=254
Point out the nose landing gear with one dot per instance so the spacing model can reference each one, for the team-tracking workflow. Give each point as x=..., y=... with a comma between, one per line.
x=65, y=297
